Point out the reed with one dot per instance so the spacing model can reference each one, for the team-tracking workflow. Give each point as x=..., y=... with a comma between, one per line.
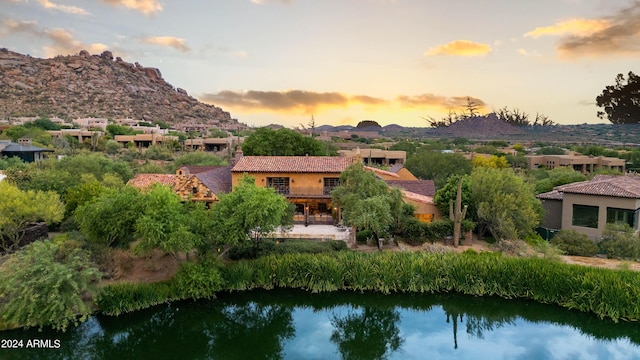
x=605, y=292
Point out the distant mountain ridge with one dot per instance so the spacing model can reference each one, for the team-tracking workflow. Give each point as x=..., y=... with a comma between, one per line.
x=85, y=85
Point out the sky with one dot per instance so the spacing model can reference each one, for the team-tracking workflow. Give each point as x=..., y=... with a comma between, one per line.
x=339, y=62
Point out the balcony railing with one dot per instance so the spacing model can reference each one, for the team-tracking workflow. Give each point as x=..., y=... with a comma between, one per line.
x=304, y=191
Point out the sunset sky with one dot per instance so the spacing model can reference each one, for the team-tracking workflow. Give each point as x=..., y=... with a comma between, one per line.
x=343, y=61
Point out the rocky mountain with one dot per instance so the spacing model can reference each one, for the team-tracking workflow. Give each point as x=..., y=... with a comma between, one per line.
x=85, y=85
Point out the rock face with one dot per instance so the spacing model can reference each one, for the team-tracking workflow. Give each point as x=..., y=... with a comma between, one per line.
x=95, y=85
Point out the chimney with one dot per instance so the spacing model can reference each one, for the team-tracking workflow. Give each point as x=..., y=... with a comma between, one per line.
x=234, y=160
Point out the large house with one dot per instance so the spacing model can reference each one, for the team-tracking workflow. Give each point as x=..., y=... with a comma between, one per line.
x=581, y=163
x=588, y=206
x=306, y=181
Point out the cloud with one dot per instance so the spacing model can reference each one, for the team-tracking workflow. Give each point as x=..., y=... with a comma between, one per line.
x=618, y=34
x=524, y=52
x=170, y=41
x=62, y=41
x=439, y=102
x=64, y=8
x=147, y=7
x=578, y=27
x=460, y=48
x=290, y=101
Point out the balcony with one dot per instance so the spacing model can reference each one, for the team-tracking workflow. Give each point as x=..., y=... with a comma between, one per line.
x=304, y=191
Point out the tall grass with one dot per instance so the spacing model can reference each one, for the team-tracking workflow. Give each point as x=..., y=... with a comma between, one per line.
x=607, y=293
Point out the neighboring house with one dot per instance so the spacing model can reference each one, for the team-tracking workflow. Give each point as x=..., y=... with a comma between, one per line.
x=376, y=156
x=195, y=183
x=144, y=140
x=23, y=149
x=581, y=163
x=203, y=183
x=210, y=144
x=419, y=193
x=588, y=206
x=306, y=181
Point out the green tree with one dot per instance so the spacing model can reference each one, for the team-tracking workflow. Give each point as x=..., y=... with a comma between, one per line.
x=163, y=223
x=447, y=194
x=46, y=284
x=429, y=164
x=19, y=208
x=620, y=242
x=556, y=177
x=505, y=203
x=248, y=214
x=197, y=158
x=115, y=129
x=282, y=142
x=81, y=194
x=43, y=123
x=109, y=220
x=367, y=202
x=551, y=150
x=621, y=102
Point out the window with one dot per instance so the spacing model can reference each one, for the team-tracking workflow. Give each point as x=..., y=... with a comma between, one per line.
x=621, y=216
x=586, y=216
x=330, y=184
x=279, y=184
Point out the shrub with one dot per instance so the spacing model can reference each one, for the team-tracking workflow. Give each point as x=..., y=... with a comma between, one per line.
x=197, y=280
x=123, y=298
x=574, y=243
x=289, y=246
x=620, y=244
x=46, y=284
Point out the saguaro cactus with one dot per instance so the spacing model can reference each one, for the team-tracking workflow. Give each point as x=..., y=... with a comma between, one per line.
x=457, y=214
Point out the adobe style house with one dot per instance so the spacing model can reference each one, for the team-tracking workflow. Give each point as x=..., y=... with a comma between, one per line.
x=376, y=156
x=587, y=206
x=144, y=140
x=419, y=193
x=581, y=163
x=194, y=183
x=22, y=149
x=306, y=181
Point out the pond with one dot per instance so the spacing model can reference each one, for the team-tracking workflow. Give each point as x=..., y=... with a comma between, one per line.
x=281, y=324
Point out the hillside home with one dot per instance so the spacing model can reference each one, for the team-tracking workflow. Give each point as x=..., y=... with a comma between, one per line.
x=376, y=156
x=144, y=140
x=587, y=206
x=210, y=144
x=306, y=182
x=581, y=163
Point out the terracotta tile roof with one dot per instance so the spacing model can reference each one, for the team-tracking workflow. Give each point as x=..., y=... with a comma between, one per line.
x=408, y=195
x=623, y=186
x=422, y=187
x=292, y=164
x=616, y=186
x=217, y=179
x=551, y=195
x=142, y=181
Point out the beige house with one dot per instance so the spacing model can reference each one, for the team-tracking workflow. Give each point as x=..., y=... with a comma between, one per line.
x=580, y=163
x=588, y=206
x=144, y=140
x=376, y=156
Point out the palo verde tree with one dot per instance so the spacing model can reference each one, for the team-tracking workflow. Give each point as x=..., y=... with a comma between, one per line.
x=621, y=102
x=434, y=165
x=249, y=214
x=506, y=205
x=367, y=202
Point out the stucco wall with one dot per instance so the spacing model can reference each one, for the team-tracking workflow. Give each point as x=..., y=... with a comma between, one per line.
x=600, y=201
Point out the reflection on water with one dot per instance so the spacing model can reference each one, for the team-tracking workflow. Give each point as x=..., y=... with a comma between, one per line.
x=298, y=325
